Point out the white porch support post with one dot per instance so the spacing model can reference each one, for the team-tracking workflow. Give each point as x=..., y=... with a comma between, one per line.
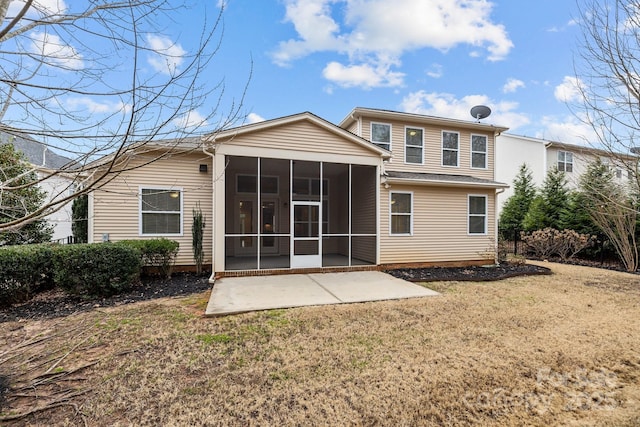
x=219, y=212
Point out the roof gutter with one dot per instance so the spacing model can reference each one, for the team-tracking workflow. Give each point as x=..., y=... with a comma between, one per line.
x=441, y=183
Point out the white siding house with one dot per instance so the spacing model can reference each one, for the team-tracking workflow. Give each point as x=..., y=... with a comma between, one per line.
x=45, y=161
x=543, y=155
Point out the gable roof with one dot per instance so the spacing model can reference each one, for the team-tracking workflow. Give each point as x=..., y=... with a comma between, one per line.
x=575, y=148
x=224, y=135
x=433, y=120
x=36, y=153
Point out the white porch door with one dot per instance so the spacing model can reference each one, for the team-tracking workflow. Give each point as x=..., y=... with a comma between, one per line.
x=306, y=244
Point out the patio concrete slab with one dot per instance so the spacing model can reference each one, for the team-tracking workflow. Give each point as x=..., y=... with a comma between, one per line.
x=241, y=294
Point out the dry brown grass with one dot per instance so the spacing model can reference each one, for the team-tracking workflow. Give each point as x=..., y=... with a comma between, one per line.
x=543, y=350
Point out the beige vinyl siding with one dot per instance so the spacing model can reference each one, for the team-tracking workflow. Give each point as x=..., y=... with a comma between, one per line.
x=300, y=136
x=432, y=152
x=353, y=128
x=439, y=226
x=116, y=205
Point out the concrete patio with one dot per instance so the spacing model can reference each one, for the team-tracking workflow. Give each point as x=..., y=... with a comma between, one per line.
x=241, y=294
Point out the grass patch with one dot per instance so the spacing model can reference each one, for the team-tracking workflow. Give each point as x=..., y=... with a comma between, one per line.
x=212, y=339
x=543, y=350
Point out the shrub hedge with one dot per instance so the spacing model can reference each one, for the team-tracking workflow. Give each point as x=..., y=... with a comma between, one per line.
x=156, y=254
x=24, y=271
x=100, y=269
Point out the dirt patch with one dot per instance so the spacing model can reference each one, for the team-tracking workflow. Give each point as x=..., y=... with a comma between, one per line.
x=471, y=273
x=55, y=303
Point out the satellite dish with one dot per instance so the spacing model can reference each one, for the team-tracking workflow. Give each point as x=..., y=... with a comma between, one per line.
x=480, y=112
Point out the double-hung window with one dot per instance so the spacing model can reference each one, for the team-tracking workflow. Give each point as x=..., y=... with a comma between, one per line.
x=565, y=161
x=381, y=135
x=450, y=148
x=477, y=214
x=401, y=213
x=478, y=151
x=413, y=143
x=160, y=211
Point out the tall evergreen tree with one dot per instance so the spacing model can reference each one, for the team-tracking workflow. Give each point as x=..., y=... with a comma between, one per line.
x=547, y=208
x=517, y=206
x=19, y=197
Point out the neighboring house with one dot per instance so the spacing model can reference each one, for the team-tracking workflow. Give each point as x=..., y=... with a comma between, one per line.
x=543, y=155
x=380, y=189
x=45, y=162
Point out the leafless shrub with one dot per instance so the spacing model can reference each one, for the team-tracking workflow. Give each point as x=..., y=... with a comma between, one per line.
x=549, y=241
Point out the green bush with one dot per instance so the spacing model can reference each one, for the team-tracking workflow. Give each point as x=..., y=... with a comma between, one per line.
x=156, y=254
x=24, y=271
x=97, y=269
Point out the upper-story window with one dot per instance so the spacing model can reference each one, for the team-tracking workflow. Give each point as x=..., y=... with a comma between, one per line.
x=413, y=145
x=450, y=148
x=479, y=151
x=381, y=135
x=565, y=161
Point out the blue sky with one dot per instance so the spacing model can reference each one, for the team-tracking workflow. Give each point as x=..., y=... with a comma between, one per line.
x=436, y=57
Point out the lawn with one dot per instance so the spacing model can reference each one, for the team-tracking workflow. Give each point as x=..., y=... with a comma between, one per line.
x=562, y=349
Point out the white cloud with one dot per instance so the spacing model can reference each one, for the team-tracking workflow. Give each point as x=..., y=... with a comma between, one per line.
x=190, y=119
x=55, y=52
x=366, y=76
x=39, y=7
x=167, y=56
x=435, y=71
x=88, y=105
x=392, y=27
x=374, y=33
x=446, y=105
x=255, y=118
x=512, y=85
x=567, y=129
x=569, y=90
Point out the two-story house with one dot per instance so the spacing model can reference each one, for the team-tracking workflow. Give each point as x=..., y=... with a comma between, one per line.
x=542, y=155
x=380, y=189
x=46, y=163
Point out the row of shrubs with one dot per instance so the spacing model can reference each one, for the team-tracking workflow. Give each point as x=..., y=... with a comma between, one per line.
x=95, y=269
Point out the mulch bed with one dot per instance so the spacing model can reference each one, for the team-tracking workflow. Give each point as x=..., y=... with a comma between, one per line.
x=472, y=273
x=55, y=303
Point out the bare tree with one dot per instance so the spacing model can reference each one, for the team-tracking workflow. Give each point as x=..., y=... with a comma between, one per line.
x=98, y=81
x=608, y=78
x=613, y=209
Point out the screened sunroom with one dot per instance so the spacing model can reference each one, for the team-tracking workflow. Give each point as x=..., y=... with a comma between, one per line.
x=290, y=214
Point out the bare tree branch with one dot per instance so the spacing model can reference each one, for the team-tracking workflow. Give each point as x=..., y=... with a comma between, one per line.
x=80, y=82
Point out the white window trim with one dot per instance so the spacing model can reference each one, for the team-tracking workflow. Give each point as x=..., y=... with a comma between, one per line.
x=564, y=161
x=485, y=152
x=421, y=147
x=486, y=214
x=457, y=165
x=391, y=233
x=390, y=133
x=160, y=188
